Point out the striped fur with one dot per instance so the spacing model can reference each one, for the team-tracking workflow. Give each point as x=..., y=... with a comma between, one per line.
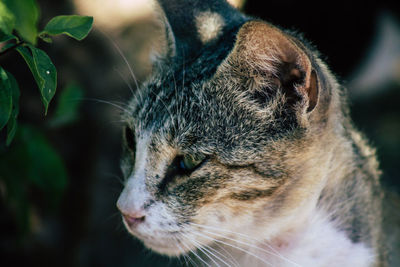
x=283, y=163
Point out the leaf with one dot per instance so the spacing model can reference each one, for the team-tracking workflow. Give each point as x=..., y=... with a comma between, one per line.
x=5, y=98
x=43, y=71
x=12, y=123
x=11, y=130
x=45, y=38
x=68, y=106
x=31, y=160
x=6, y=37
x=7, y=19
x=77, y=27
x=13, y=169
x=26, y=14
x=46, y=169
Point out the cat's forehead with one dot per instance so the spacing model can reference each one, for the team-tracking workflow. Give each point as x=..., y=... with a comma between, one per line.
x=177, y=91
x=199, y=116
x=167, y=110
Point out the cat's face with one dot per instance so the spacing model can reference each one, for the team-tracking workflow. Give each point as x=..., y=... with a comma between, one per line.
x=209, y=144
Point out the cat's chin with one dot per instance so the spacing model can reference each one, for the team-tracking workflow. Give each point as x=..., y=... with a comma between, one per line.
x=170, y=249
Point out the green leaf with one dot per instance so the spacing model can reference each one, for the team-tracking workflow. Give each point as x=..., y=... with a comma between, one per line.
x=68, y=106
x=12, y=123
x=7, y=19
x=11, y=130
x=77, y=27
x=31, y=160
x=43, y=71
x=5, y=98
x=45, y=38
x=26, y=14
x=6, y=37
x=13, y=169
x=46, y=169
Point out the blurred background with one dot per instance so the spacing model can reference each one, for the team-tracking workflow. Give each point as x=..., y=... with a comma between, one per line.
x=361, y=44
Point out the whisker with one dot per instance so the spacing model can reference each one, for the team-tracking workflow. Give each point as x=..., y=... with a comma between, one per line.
x=217, y=252
x=117, y=122
x=235, y=263
x=230, y=258
x=227, y=231
x=182, y=253
x=194, y=253
x=274, y=251
x=189, y=258
x=113, y=175
x=125, y=80
x=122, y=56
x=233, y=246
x=111, y=217
x=104, y=102
x=253, y=246
x=204, y=250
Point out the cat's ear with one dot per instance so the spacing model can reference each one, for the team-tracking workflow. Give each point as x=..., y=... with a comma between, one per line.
x=191, y=24
x=271, y=59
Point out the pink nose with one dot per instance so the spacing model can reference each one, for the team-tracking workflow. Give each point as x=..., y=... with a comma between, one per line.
x=133, y=219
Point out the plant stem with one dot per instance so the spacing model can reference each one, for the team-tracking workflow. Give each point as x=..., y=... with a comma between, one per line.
x=11, y=48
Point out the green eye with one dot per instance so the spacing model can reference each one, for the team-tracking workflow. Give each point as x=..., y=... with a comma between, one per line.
x=181, y=165
x=189, y=163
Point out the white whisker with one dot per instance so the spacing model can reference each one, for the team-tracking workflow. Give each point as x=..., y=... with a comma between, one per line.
x=230, y=258
x=188, y=256
x=205, y=250
x=194, y=253
x=274, y=251
x=125, y=81
x=253, y=246
x=217, y=252
x=233, y=246
x=182, y=251
x=122, y=56
x=106, y=102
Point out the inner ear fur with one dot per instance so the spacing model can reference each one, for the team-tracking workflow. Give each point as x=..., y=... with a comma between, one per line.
x=262, y=50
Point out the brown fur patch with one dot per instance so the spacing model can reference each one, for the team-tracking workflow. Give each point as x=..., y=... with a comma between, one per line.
x=252, y=194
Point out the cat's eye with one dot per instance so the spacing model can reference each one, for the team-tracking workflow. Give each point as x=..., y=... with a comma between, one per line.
x=182, y=165
x=130, y=139
x=189, y=163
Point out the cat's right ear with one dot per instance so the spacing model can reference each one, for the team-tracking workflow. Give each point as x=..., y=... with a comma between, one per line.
x=169, y=47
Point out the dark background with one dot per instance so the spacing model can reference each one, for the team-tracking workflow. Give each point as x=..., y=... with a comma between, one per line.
x=86, y=229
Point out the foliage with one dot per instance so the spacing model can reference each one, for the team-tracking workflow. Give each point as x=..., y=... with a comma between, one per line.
x=31, y=161
x=74, y=26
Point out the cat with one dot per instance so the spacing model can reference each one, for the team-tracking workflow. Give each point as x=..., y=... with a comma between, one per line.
x=239, y=150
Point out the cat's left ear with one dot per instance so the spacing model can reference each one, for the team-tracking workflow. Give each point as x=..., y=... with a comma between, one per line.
x=269, y=59
x=192, y=24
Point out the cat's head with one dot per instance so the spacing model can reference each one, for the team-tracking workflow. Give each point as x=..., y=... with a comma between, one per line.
x=218, y=140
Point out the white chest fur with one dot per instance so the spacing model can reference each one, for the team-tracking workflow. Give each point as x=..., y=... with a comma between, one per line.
x=316, y=243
